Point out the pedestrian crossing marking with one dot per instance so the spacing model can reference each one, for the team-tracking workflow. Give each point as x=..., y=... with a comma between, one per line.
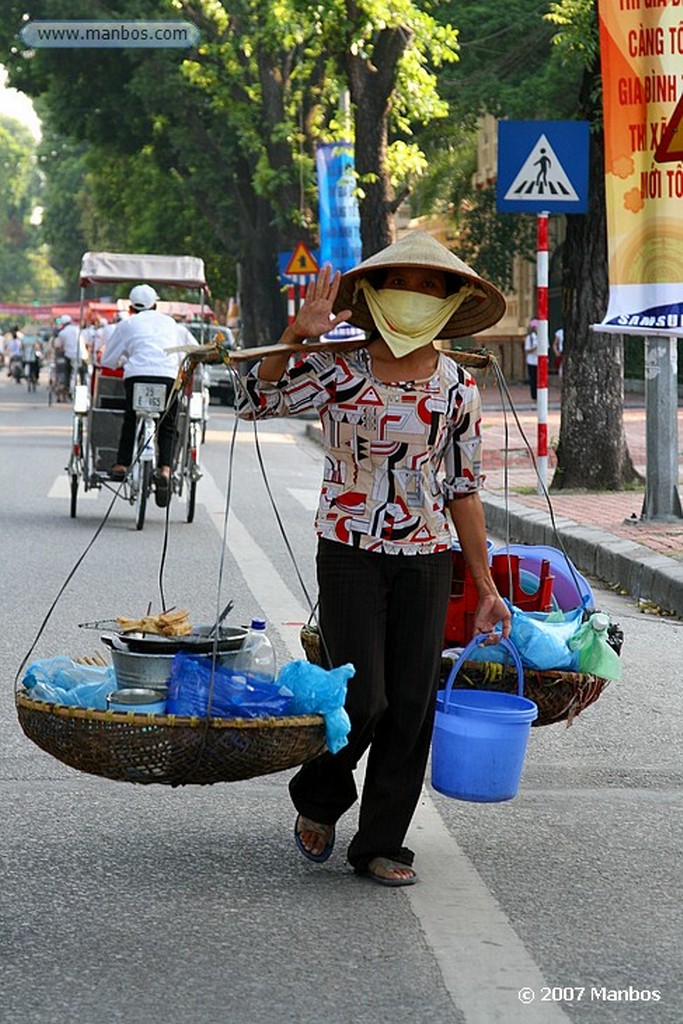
x=542, y=176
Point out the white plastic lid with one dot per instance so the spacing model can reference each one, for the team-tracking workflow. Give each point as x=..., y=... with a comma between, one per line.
x=599, y=621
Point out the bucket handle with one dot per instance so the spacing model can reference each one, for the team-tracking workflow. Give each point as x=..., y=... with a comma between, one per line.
x=477, y=641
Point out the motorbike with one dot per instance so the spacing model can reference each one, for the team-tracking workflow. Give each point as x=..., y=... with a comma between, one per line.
x=16, y=368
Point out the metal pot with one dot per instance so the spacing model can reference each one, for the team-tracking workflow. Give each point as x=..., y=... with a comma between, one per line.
x=134, y=669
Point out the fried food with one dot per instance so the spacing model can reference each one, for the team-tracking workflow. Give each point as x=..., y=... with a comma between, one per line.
x=175, y=622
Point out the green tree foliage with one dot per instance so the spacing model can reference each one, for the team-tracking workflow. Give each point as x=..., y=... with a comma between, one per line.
x=234, y=122
x=24, y=270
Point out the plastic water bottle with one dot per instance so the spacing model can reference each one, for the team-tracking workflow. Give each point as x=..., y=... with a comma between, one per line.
x=595, y=654
x=256, y=657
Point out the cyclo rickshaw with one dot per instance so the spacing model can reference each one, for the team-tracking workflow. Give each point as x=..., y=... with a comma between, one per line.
x=99, y=406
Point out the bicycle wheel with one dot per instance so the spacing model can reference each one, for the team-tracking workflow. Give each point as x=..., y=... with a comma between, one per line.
x=191, y=469
x=144, y=488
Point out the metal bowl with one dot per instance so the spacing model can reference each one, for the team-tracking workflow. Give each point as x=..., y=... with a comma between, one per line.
x=137, y=698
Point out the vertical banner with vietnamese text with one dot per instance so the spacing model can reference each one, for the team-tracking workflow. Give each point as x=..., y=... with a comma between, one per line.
x=641, y=47
x=339, y=218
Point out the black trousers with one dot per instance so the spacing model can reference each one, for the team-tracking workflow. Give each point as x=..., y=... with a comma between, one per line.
x=166, y=424
x=385, y=614
x=533, y=377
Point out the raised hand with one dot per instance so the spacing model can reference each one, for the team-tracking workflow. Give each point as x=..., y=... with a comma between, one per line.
x=315, y=315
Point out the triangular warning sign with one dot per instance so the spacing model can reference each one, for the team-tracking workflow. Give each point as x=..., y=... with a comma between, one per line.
x=670, y=146
x=301, y=262
x=542, y=176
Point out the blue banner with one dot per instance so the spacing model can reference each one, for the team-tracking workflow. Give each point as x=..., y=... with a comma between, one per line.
x=338, y=215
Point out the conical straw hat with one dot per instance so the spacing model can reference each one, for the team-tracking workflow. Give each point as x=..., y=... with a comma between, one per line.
x=419, y=249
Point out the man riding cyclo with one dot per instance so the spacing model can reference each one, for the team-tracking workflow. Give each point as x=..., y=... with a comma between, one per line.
x=142, y=345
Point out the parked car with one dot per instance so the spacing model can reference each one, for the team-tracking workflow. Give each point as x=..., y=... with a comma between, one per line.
x=218, y=376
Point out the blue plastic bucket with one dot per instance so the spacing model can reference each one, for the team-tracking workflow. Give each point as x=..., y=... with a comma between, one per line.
x=480, y=737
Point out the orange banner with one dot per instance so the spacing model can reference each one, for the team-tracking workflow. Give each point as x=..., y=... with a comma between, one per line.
x=641, y=45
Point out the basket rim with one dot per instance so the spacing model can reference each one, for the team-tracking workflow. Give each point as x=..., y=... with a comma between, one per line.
x=144, y=719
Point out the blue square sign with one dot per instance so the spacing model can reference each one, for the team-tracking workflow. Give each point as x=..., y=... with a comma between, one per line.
x=542, y=167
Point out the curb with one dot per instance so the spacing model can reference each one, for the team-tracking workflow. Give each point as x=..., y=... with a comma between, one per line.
x=637, y=570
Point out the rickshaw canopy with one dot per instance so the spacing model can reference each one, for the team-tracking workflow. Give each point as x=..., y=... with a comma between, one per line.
x=113, y=267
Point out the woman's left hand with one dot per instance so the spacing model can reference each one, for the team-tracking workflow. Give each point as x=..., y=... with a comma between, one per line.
x=491, y=610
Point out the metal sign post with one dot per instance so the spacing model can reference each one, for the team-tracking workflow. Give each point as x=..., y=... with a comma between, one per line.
x=542, y=352
x=661, y=501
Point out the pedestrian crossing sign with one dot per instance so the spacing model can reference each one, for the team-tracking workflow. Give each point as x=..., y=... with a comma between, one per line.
x=542, y=167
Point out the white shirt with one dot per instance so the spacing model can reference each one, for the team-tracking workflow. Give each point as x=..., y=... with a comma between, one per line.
x=531, y=348
x=142, y=341
x=14, y=346
x=107, y=331
x=70, y=339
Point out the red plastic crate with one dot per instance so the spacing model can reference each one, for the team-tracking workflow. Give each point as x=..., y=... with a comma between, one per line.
x=465, y=597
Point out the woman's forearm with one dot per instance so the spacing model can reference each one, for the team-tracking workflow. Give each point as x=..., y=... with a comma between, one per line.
x=271, y=368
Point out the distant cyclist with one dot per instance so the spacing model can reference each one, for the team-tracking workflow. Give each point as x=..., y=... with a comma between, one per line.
x=71, y=343
x=140, y=344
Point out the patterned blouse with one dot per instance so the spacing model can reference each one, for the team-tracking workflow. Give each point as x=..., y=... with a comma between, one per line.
x=394, y=453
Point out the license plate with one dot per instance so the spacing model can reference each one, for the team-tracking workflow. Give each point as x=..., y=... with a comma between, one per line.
x=149, y=397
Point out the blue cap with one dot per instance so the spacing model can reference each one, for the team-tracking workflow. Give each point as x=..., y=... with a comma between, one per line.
x=258, y=623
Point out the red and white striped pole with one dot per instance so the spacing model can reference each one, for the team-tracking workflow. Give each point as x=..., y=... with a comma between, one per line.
x=542, y=351
x=291, y=304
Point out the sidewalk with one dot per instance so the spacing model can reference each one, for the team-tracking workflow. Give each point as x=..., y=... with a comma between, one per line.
x=601, y=531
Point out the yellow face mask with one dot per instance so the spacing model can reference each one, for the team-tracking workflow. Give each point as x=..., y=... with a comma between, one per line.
x=409, y=320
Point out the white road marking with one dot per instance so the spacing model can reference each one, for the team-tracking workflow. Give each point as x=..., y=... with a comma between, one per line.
x=308, y=497
x=269, y=591
x=61, y=489
x=483, y=961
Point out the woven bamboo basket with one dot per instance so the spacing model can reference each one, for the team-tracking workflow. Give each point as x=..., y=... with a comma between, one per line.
x=169, y=749
x=560, y=695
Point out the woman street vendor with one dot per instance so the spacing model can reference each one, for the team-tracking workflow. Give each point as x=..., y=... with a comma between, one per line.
x=401, y=426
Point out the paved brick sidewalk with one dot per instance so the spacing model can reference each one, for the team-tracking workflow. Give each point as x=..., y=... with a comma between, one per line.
x=615, y=512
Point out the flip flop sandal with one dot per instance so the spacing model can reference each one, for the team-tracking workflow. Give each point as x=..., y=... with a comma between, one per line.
x=323, y=830
x=389, y=865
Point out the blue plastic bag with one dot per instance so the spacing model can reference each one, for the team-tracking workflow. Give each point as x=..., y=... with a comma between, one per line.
x=63, y=681
x=234, y=695
x=542, y=639
x=319, y=691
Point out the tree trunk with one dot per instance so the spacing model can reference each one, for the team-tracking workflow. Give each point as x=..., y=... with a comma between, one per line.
x=592, y=452
x=371, y=84
x=262, y=307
